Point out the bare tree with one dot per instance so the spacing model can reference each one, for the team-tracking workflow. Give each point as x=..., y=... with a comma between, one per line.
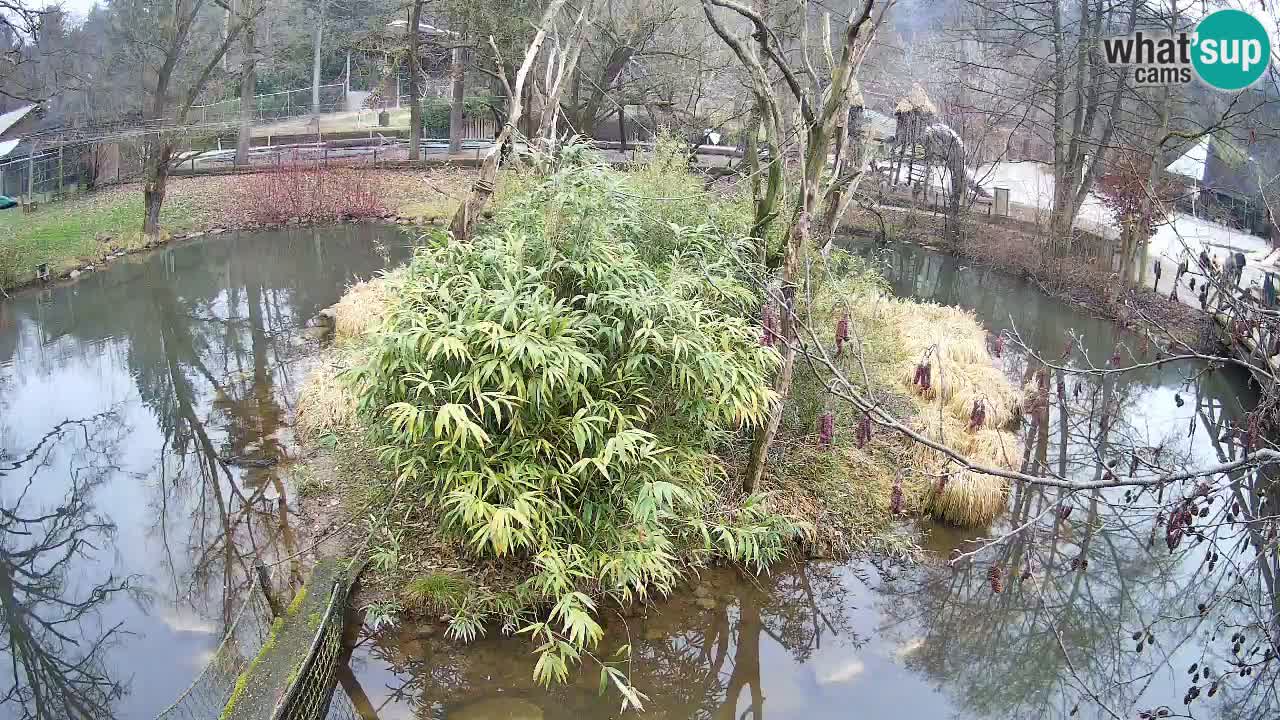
x=468, y=213
x=177, y=46
x=824, y=105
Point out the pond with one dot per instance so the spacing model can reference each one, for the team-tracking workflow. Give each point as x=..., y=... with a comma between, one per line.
x=877, y=640
x=144, y=441
x=143, y=433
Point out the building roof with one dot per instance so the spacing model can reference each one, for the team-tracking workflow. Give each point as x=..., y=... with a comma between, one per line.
x=9, y=119
x=1192, y=163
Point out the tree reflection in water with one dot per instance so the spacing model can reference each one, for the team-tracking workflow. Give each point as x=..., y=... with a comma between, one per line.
x=696, y=655
x=53, y=635
x=1099, y=609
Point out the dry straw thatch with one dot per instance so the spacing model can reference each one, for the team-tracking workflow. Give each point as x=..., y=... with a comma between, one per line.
x=916, y=101
x=325, y=402
x=962, y=373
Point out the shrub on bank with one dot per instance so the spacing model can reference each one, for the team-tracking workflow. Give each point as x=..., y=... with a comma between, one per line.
x=558, y=400
x=311, y=192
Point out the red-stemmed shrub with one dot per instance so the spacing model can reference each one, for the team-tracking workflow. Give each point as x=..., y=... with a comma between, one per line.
x=312, y=192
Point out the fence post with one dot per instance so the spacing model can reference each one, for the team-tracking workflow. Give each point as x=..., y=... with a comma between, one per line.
x=31, y=173
x=61, y=174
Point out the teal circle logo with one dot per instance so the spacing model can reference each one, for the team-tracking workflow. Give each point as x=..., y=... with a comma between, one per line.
x=1232, y=49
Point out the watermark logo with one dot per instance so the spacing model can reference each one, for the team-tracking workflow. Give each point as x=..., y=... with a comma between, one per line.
x=1229, y=50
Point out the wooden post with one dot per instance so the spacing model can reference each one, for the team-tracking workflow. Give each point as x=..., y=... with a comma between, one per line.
x=31, y=173
x=622, y=119
x=61, y=174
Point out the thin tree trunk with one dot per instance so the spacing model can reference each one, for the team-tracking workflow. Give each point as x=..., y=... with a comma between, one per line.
x=1153, y=179
x=458, y=75
x=315, y=64
x=415, y=107
x=248, y=83
x=468, y=213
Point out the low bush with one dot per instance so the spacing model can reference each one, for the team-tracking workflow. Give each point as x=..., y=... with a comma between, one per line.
x=311, y=192
x=558, y=400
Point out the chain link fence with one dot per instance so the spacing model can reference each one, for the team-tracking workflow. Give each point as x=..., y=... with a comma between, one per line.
x=48, y=174
x=207, y=695
x=274, y=106
x=309, y=695
x=312, y=692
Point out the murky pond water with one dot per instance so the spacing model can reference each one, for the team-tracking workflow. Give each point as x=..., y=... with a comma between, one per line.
x=869, y=640
x=144, y=434
x=143, y=431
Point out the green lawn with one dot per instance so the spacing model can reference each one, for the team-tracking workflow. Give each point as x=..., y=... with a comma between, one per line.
x=66, y=234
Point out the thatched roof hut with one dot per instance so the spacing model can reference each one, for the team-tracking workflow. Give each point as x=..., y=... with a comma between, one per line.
x=916, y=101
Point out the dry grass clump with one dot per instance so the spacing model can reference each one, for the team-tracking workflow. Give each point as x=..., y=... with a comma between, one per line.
x=956, y=495
x=326, y=403
x=962, y=374
x=962, y=371
x=361, y=309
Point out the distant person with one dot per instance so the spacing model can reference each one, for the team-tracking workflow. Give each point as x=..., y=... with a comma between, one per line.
x=1269, y=290
x=1183, y=266
x=1156, y=267
x=1204, y=260
x=1239, y=267
x=1204, y=296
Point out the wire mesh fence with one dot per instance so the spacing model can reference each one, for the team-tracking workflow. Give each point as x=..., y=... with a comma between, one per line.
x=308, y=697
x=46, y=173
x=207, y=695
x=311, y=693
x=275, y=106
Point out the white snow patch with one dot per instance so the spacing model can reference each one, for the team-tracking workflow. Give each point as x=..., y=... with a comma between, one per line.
x=8, y=119
x=1195, y=234
x=1191, y=163
x=7, y=146
x=1030, y=184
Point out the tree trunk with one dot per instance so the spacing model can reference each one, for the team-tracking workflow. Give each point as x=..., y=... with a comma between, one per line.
x=155, y=176
x=315, y=64
x=1152, y=182
x=457, y=74
x=468, y=212
x=415, y=107
x=248, y=82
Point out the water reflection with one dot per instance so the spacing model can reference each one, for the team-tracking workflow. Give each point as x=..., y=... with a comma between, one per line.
x=187, y=362
x=708, y=653
x=1079, y=590
x=51, y=615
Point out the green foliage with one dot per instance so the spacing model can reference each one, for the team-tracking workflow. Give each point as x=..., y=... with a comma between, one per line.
x=555, y=390
x=381, y=615
x=297, y=602
x=385, y=555
x=439, y=592
x=435, y=112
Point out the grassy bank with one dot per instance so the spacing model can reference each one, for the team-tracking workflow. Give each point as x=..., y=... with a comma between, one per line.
x=554, y=418
x=88, y=229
